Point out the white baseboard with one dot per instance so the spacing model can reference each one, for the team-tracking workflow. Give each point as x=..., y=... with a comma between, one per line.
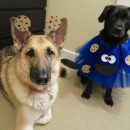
x=66, y=54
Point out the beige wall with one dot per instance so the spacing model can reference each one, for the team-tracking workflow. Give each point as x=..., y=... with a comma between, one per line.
x=82, y=18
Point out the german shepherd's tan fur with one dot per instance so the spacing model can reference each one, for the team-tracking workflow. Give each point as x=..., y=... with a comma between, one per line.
x=32, y=98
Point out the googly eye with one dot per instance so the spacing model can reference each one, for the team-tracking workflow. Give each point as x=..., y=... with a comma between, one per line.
x=104, y=57
x=112, y=59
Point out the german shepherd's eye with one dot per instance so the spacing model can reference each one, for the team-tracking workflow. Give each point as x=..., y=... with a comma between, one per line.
x=30, y=53
x=49, y=52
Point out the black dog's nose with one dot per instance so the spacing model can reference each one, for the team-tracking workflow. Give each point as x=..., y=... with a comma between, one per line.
x=118, y=29
x=39, y=77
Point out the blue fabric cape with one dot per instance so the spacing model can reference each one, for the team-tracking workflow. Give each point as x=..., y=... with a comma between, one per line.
x=105, y=65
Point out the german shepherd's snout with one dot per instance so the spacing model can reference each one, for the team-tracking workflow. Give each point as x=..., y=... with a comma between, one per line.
x=40, y=77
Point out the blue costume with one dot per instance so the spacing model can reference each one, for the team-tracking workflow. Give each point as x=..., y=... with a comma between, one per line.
x=105, y=65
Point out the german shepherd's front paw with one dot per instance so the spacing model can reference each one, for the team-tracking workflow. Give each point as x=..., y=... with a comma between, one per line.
x=109, y=101
x=85, y=95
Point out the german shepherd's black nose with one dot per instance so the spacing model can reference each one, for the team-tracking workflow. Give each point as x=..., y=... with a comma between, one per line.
x=39, y=77
x=42, y=79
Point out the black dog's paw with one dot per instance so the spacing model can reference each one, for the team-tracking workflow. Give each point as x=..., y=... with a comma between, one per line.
x=79, y=74
x=109, y=101
x=83, y=80
x=63, y=72
x=85, y=95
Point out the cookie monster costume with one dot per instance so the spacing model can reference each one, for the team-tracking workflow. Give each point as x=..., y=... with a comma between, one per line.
x=105, y=65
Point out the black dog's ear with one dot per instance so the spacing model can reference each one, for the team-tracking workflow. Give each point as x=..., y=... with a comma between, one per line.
x=129, y=9
x=104, y=13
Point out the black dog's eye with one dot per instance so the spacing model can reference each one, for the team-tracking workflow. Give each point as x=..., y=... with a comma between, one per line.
x=126, y=18
x=113, y=17
x=30, y=53
x=49, y=52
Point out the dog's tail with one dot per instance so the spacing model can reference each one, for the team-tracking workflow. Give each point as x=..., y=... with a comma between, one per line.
x=68, y=63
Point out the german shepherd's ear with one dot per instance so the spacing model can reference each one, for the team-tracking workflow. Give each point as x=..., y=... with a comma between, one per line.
x=104, y=13
x=58, y=36
x=19, y=37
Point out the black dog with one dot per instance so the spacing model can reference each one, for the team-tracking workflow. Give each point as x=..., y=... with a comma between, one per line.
x=116, y=24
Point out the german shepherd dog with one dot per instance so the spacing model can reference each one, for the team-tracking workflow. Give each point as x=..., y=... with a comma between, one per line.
x=29, y=74
x=116, y=24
